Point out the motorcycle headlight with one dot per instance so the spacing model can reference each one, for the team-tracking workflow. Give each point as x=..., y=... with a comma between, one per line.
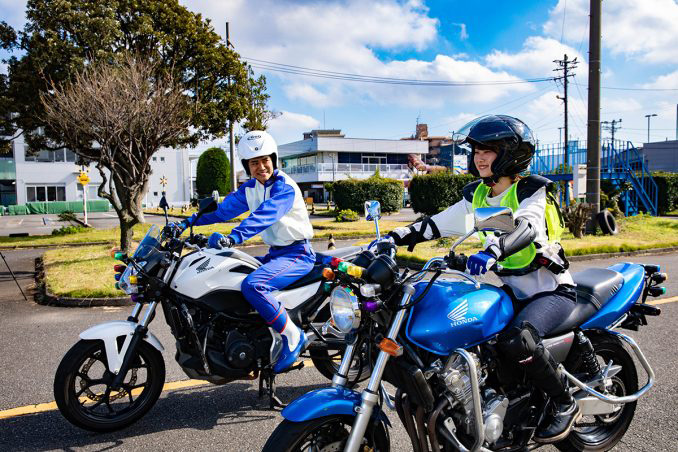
x=344, y=309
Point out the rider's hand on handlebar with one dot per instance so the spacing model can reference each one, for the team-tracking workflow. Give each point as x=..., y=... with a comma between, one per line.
x=176, y=229
x=218, y=241
x=480, y=263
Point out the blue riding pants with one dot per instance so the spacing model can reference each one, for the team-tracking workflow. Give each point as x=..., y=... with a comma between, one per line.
x=281, y=267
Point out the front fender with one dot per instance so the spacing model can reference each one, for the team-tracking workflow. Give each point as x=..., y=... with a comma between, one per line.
x=109, y=332
x=326, y=402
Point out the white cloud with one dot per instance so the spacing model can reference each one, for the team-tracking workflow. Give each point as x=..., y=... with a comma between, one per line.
x=344, y=37
x=536, y=57
x=664, y=81
x=463, y=34
x=290, y=126
x=645, y=30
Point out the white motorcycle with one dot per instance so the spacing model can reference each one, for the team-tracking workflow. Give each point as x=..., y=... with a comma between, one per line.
x=115, y=373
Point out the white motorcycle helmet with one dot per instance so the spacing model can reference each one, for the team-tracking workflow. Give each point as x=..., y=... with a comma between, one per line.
x=254, y=144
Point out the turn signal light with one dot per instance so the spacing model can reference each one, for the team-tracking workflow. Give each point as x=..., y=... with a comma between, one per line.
x=355, y=271
x=117, y=285
x=119, y=268
x=113, y=251
x=117, y=276
x=391, y=347
x=133, y=279
x=328, y=274
x=334, y=263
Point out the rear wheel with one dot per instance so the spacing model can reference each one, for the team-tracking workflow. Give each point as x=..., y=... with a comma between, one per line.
x=325, y=434
x=83, y=387
x=601, y=433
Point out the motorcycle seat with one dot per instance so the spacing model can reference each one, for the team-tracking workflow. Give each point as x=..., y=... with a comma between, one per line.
x=595, y=287
x=316, y=273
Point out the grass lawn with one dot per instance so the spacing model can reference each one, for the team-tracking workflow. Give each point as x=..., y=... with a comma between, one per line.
x=322, y=228
x=83, y=272
x=88, y=271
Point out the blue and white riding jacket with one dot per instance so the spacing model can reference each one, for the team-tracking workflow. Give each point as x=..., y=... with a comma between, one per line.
x=278, y=211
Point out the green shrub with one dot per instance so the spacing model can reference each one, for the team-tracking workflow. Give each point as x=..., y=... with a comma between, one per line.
x=213, y=173
x=66, y=230
x=431, y=193
x=347, y=215
x=352, y=193
x=68, y=216
x=667, y=187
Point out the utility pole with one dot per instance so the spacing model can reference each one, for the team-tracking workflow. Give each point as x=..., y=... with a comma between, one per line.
x=593, y=123
x=612, y=126
x=560, y=136
x=565, y=65
x=231, y=139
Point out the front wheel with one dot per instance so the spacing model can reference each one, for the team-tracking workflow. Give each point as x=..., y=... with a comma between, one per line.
x=324, y=434
x=601, y=433
x=83, y=392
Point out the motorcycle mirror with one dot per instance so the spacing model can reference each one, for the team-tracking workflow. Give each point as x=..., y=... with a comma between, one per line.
x=215, y=195
x=494, y=219
x=373, y=212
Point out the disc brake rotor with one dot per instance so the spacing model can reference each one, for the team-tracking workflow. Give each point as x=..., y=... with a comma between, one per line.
x=96, y=397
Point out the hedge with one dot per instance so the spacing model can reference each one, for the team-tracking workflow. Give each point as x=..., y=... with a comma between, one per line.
x=352, y=193
x=213, y=173
x=667, y=186
x=431, y=193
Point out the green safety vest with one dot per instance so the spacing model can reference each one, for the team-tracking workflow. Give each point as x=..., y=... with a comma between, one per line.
x=554, y=223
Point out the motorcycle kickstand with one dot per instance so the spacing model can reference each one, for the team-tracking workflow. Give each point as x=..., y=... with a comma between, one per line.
x=267, y=380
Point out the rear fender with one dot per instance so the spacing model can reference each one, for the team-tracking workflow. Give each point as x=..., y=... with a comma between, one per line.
x=109, y=332
x=327, y=402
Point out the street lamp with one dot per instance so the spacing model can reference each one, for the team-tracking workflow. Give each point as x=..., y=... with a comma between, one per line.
x=648, y=125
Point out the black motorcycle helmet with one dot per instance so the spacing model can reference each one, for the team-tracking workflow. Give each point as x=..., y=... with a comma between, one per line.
x=509, y=136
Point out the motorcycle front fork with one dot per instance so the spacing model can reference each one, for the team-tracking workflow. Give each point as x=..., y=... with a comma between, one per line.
x=137, y=337
x=370, y=396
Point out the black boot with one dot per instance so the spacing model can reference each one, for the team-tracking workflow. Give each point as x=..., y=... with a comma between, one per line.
x=559, y=419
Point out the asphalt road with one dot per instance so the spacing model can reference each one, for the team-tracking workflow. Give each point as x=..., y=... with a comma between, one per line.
x=231, y=417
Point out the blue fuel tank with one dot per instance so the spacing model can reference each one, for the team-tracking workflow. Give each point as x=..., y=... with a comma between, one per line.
x=454, y=314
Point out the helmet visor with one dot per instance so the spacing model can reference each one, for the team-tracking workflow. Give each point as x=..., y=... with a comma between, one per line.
x=492, y=130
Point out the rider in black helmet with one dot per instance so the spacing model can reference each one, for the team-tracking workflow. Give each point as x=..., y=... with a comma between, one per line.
x=533, y=265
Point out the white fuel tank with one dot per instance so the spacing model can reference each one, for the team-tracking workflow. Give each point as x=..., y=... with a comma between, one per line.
x=210, y=269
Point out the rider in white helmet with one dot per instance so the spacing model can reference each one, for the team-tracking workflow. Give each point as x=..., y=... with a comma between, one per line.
x=278, y=213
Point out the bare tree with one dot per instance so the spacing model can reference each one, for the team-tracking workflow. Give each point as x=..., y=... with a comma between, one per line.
x=118, y=116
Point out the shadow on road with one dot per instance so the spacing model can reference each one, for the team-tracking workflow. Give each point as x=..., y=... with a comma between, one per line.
x=196, y=408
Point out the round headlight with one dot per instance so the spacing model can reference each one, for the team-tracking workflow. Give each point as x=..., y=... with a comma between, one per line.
x=344, y=309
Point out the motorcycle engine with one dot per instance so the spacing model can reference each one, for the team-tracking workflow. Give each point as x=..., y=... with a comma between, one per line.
x=239, y=351
x=456, y=378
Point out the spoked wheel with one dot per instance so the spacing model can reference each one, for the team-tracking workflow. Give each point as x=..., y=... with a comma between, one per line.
x=325, y=434
x=327, y=360
x=601, y=433
x=83, y=387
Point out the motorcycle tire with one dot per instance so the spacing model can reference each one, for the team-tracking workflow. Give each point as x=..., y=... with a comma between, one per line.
x=327, y=362
x=611, y=428
x=325, y=433
x=81, y=398
x=607, y=223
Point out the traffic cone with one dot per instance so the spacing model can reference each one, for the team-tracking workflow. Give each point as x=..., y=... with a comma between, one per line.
x=331, y=245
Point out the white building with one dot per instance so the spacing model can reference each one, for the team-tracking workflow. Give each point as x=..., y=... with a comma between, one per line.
x=51, y=176
x=327, y=156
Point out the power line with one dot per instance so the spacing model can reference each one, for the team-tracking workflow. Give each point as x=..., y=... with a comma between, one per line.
x=565, y=65
x=300, y=70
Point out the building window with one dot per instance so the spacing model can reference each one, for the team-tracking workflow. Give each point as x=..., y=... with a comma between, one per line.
x=373, y=159
x=92, y=192
x=42, y=193
x=155, y=193
x=46, y=156
x=155, y=159
x=162, y=159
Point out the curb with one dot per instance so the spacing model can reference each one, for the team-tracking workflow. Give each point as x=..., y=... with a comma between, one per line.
x=53, y=245
x=44, y=297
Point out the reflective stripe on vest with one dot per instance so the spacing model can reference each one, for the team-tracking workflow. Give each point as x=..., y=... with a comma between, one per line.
x=522, y=258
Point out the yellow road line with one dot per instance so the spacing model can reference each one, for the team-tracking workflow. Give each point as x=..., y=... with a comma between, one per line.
x=663, y=300
x=51, y=406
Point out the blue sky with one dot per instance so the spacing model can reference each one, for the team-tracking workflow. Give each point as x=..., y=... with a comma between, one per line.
x=457, y=41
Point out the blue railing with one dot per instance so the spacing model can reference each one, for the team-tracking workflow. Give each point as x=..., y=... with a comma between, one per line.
x=620, y=162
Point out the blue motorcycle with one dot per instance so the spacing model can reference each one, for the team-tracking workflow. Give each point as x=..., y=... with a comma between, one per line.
x=435, y=342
